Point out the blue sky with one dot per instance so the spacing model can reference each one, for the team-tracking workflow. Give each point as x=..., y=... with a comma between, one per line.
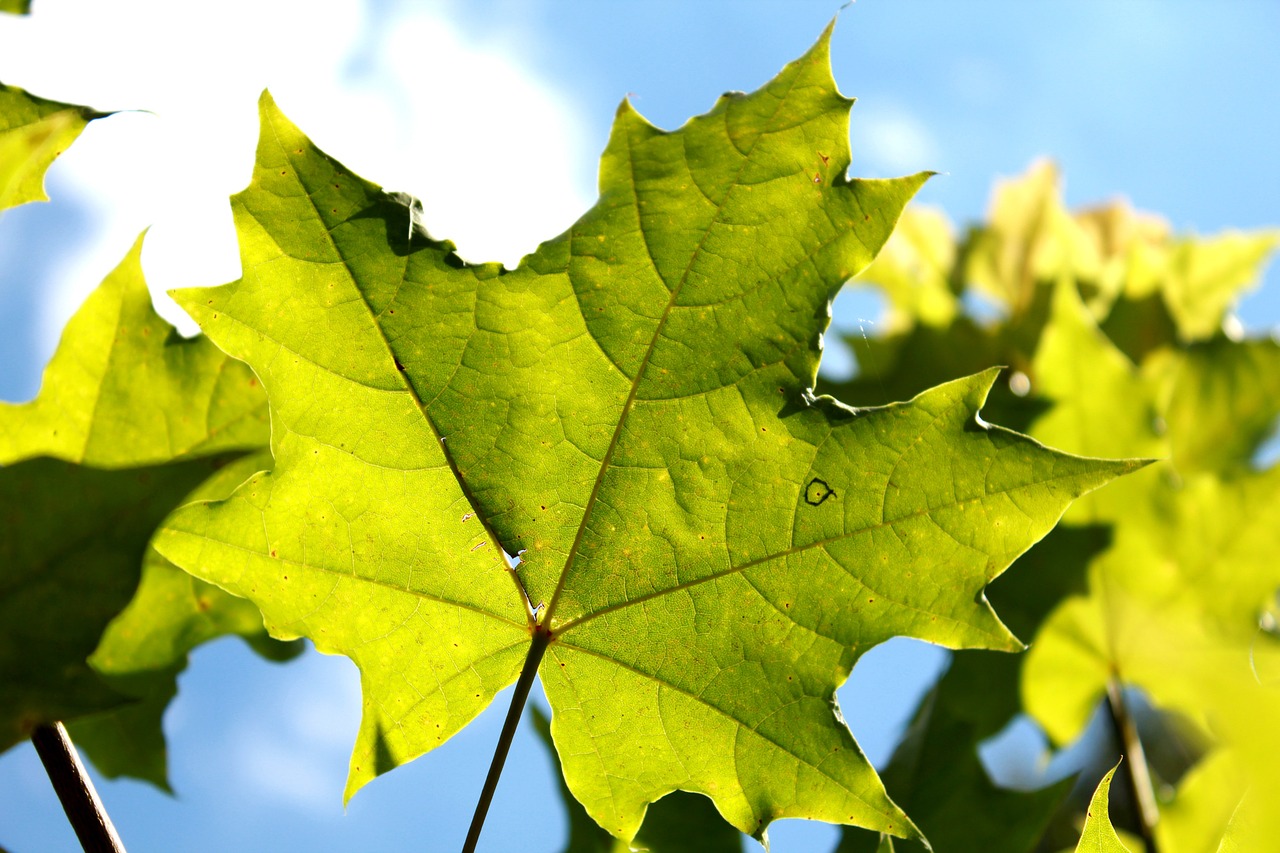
x=494, y=113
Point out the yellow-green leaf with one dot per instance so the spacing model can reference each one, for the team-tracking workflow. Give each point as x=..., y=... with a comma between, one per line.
x=705, y=547
x=125, y=389
x=33, y=132
x=1098, y=835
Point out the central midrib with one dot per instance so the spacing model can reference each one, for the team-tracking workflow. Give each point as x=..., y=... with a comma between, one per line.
x=574, y=549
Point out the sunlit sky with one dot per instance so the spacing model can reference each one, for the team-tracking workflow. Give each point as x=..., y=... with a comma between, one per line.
x=493, y=114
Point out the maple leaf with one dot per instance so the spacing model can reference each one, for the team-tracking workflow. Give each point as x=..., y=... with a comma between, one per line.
x=124, y=389
x=33, y=132
x=129, y=420
x=705, y=548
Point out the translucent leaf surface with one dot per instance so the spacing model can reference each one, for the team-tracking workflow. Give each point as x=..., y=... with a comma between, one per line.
x=678, y=823
x=705, y=548
x=124, y=389
x=33, y=132
x=145, y=647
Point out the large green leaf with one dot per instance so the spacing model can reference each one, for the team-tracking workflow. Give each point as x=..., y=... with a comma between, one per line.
x=125, y=425
x=33, y=132
x=705, y=548
x=16, y=7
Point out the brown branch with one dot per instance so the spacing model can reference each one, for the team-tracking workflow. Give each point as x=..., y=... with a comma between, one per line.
x=1136, y=772
x=75, y=790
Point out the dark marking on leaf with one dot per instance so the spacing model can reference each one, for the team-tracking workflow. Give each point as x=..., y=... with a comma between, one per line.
x=399, y=366
x=817, y=491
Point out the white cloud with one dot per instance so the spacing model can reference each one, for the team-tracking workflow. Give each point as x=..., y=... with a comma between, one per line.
x=489, y=147
x=889, y=141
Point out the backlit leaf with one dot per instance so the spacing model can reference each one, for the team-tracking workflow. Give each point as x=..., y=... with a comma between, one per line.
x=705, y=547
x=1098, y=835
x=124, y=389
x=678, y=823
x=33, y=132
x=1117, y=338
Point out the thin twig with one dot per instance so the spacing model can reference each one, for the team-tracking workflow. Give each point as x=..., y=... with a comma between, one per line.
x=1141, y=793
x=75, y=790
x=541, y=638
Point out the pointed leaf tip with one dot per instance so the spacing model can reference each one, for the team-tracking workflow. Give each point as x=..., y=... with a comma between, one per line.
x=1099, y=836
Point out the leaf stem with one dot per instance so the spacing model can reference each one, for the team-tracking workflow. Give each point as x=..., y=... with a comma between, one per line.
x=75, y=790
x=1138, y=775
x=541, y=638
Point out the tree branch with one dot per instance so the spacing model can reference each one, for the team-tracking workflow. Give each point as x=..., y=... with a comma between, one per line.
x=75, y=790
x=1141, y=793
